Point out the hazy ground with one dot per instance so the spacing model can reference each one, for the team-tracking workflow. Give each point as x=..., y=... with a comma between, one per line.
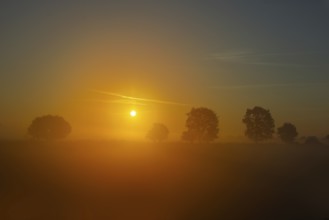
x=122, y=180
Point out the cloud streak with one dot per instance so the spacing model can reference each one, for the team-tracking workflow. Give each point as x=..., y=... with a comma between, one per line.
x=117, y=101
x=255, y=86
x=132, y=99
x=252, y=58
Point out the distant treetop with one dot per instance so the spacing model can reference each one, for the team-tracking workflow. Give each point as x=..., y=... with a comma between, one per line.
x=287, y=132
x=159, y=132
x=49, y=127
x=313, y=141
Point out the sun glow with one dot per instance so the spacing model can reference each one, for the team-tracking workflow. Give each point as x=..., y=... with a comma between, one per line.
x=133, y=113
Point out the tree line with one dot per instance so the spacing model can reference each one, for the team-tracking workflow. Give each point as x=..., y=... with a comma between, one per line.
x=202, y=125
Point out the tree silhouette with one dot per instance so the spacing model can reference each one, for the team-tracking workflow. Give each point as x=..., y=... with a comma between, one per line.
x=312, y=140
x=49, y=127
x=327, y=138
x=159, y=132
x=202, y=125
x=287, y=132
x=259, y=123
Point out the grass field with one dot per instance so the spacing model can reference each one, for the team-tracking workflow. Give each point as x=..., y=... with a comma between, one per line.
x=147, y=181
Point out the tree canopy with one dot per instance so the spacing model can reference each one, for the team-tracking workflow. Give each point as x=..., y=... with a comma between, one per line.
x=202, y=125
x=259, y=124
x=287, y=132
x=49, y=127
x=312, y=140
x=158, y=132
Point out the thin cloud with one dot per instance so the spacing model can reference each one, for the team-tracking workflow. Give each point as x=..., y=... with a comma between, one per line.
x=252, y=58
x=279, y=64
x=157, y=101
x=255, y=86
x=117, y=101
x=238, y=56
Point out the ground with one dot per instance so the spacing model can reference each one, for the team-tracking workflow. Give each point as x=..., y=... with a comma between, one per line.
x=170, y=181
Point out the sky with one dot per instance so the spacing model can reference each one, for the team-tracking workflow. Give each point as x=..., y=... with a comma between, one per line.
x=78, y=59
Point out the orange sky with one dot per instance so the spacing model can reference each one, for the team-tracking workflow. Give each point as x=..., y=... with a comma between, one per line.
x=195, y=56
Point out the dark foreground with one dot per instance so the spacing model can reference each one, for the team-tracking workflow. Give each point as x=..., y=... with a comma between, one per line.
x=119, y=181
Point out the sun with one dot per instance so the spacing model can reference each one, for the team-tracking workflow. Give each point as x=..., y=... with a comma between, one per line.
x=133, y=113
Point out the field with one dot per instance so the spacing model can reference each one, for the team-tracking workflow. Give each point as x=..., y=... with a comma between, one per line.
x=169, y=181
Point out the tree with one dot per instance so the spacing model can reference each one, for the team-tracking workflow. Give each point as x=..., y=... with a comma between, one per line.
x=312, y=140
x=327, y=138
x=158, y=132
x=287, y=132
x=202, y=125
x=259, y=123
x=49, y=127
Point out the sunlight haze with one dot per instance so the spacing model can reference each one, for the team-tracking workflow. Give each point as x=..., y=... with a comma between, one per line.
x=223, y=55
